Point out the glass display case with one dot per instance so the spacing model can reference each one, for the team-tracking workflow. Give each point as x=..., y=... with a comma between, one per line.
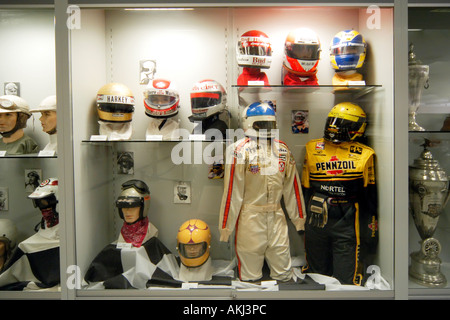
x=27, y=84
x=134, y=45
x=429, y=274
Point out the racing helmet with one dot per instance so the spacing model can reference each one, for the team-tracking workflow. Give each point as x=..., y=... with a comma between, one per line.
x=16, y=104
x=259, y=120
x=46, y=194
x=302, y=52
x=115, y=103
x=135, y=193
x=254, y=50
x=8, y=235
x=348, y=50
x=193, y=242
x=161, y=99
x=346, y=122
x=48, y=104
x=208, y=97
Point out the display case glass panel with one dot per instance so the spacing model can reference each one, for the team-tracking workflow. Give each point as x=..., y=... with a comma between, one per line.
x=27, y=72
x=428, y=28
x=186, y=45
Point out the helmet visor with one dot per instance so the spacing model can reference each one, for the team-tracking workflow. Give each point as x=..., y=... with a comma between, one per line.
x=160, y=100
x=115, y=107
x=254, y=49
x=44, y=203
x=303, y=51
x=353, y=49
x=264, y=125
x=192, y=250
x=205, y=100
x=339, y=129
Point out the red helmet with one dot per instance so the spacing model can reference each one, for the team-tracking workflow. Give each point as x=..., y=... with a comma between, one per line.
x=254, y=50
x=302, y=52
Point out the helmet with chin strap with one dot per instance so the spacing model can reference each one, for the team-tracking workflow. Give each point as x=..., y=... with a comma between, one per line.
x=135, y=193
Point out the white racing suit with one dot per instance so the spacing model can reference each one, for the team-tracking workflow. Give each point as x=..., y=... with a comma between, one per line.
x=257, y=176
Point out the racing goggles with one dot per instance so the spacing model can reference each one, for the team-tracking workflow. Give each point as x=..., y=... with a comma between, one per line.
x=140, y=186
x=129, y=202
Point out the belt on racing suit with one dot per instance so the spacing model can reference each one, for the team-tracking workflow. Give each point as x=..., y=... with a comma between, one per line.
x=263, y=208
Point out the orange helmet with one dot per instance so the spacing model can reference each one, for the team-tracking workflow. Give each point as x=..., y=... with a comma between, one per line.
x=193, y=242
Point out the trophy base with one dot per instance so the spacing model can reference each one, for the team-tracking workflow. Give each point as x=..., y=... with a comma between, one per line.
x=426, y=271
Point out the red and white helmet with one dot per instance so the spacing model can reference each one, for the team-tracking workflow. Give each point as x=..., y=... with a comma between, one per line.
x=302, y=52
x=48, y=190
x=208, y=97
x=254, y=50
x=161, y=99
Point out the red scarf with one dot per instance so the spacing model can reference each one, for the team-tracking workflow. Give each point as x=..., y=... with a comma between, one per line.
x=135, y=233
x=50, y=217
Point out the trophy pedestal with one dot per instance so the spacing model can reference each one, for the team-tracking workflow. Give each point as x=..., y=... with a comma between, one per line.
x=425, y=268
x=412, y=124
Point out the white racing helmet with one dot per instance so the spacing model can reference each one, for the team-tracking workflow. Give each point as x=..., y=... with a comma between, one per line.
x=48, y=104
x=259, y=120
x=46, y=194
x=254, y=50
x=208, y=97
x=161, y=99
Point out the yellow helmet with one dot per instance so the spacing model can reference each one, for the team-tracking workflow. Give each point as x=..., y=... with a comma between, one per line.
x=115, y=103
x=193, y=242
x=346, y=122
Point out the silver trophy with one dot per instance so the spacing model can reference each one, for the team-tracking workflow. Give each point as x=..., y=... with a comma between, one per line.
x=418, y=80
x=428, y=195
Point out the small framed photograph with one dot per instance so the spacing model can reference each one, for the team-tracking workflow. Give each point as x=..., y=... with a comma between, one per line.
x=147, y=70
x=182, y=192
x=300, y=121
x=4, y=199
x=125, y=162
x=11, y=88
x=33, y=178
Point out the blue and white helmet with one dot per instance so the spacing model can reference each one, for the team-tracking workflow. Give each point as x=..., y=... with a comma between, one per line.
x=348, y=50
x=259, y=120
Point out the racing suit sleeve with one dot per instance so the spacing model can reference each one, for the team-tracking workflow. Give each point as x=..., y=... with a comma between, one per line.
x=233, y=190
x=306, y=188
x=293, y=195
x=369, y=210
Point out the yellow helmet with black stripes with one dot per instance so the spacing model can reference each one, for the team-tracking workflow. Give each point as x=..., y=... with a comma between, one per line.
x=346, y=122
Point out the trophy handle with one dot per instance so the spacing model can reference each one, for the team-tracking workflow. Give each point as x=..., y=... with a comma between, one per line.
x=448, y=194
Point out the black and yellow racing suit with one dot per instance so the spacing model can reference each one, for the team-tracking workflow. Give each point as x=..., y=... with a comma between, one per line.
x=341, y=203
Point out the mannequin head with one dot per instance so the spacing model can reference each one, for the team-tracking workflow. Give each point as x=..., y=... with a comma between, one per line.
x=14, y=113
x=47, y=108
